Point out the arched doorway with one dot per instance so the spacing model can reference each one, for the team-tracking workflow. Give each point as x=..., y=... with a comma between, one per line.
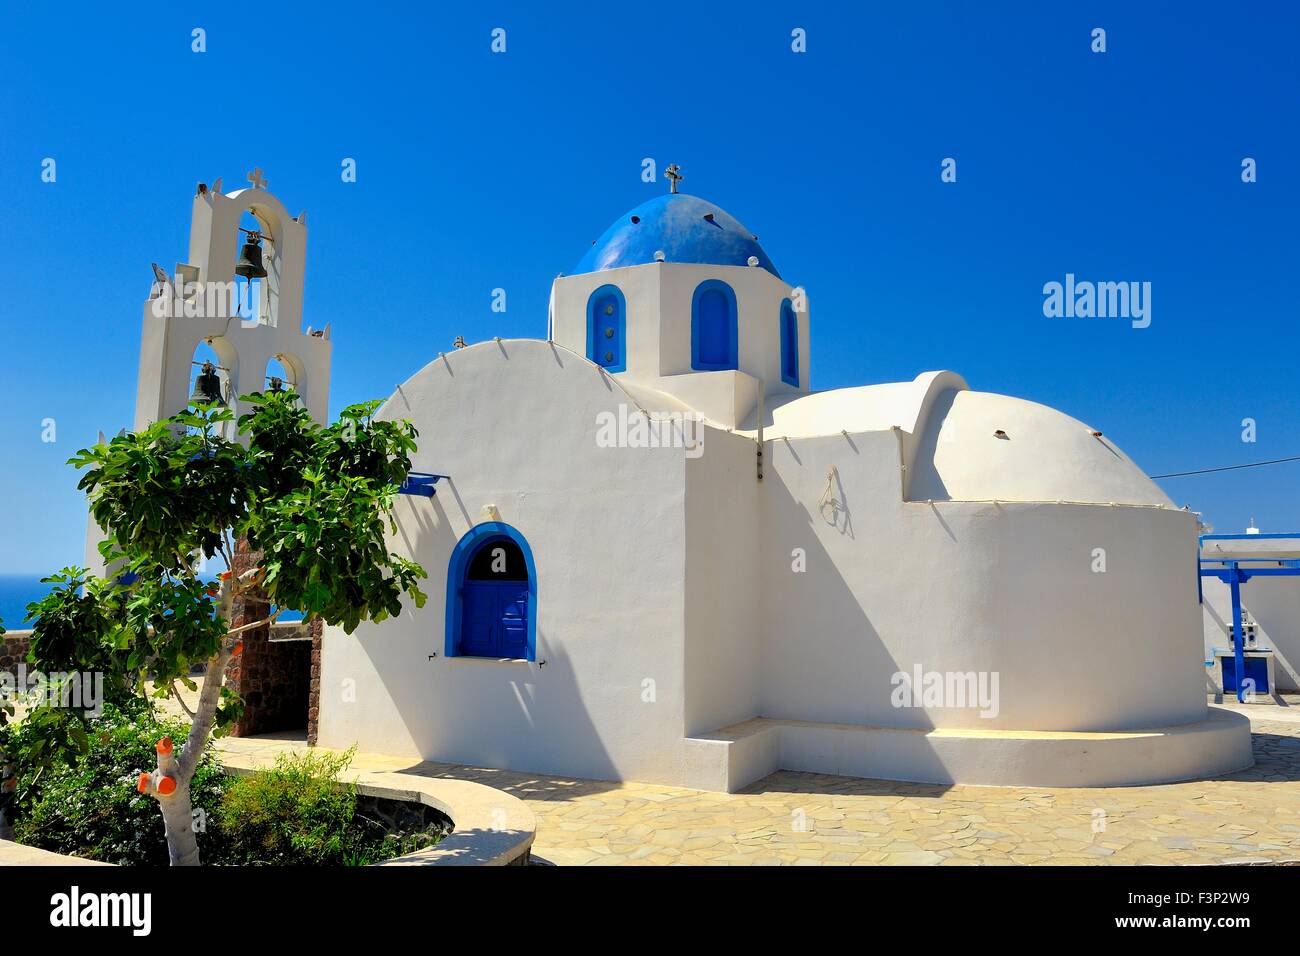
x=492, y=595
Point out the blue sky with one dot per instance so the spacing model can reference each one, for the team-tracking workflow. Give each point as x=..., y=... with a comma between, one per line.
x=478, y=170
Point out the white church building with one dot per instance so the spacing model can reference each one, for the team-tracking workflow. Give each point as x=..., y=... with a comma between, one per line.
x=656, y=554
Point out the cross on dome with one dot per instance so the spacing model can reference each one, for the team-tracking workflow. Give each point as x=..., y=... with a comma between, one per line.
x=674, y=174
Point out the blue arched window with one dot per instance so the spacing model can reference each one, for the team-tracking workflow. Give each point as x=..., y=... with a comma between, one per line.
x=714, y=338
x=789, y=344
x=607, y=329
x=492, y=595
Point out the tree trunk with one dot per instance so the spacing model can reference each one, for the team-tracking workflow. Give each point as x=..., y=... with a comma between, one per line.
x=178, y=818
x=170, y=783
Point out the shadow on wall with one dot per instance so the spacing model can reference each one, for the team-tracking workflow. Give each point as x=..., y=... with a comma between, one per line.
x=823, y=657
x=925, y=484
x=534, y=709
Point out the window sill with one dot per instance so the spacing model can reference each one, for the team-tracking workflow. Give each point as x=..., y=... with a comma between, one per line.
x=491, y=660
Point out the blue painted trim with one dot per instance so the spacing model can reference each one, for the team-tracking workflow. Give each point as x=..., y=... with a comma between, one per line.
x=733, y=327
x=1248, y=537
x=1238, y=640
x=1235, y=577
x=789, y=344
x=458, y=566
x=1245, y=574
x=620, y=359
x=419, y=483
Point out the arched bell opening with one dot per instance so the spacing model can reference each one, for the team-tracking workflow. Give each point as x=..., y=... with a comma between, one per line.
x=209, y=376
x=280, y=375
x=257, y=269
x=214, y=377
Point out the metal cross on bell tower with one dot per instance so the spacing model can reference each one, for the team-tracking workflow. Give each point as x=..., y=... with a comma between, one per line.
x=674, y=174
x=257, y=178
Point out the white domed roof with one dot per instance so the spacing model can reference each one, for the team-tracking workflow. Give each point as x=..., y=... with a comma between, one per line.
x=1041, y=455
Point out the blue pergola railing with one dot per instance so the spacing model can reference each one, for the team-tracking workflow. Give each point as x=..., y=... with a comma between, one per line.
x=420, y=483
x=1235, y=572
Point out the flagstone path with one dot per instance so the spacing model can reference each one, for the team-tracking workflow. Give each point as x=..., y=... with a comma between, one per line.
x=804, y=819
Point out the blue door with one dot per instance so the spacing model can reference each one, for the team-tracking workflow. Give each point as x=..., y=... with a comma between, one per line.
x=494, y=619
x=495, y=622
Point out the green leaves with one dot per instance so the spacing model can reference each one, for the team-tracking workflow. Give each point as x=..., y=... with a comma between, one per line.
x=316, y=501
x=170, y=490
x=81, y=624
x=282, y=441
x=324, y=552
x=357, y=446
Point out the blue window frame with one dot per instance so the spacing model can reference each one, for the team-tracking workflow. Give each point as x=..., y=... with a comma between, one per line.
x=607, y=329
x=491, y=595
x=789, y=344
x=714, y=338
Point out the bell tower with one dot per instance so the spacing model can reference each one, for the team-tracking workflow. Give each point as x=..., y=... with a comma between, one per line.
x=200, y=303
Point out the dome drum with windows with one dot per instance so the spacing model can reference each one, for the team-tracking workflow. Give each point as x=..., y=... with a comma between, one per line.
x=679, y=294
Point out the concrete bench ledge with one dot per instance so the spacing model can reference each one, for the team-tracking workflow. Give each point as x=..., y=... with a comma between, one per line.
x=733, y=757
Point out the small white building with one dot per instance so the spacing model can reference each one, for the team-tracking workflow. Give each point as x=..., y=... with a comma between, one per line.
x=658, y=555
x=1268, y=605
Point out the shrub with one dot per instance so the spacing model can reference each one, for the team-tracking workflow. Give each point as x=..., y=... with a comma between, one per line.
x=90, y=808
x=299, y=814
x=295, y=814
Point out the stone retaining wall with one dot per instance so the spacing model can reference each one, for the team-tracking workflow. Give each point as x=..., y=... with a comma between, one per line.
x=13, y=650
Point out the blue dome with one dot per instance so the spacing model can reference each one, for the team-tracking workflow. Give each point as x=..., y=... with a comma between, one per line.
x=685, y=228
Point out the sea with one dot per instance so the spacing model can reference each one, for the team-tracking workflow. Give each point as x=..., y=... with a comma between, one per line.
x=16, y=592
x=19, y=590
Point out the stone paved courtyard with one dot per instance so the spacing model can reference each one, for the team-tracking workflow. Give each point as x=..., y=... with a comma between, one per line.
x=810, y=819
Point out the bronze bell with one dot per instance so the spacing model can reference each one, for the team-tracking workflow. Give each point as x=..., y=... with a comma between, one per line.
x=250, y=259
x=207, y=387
